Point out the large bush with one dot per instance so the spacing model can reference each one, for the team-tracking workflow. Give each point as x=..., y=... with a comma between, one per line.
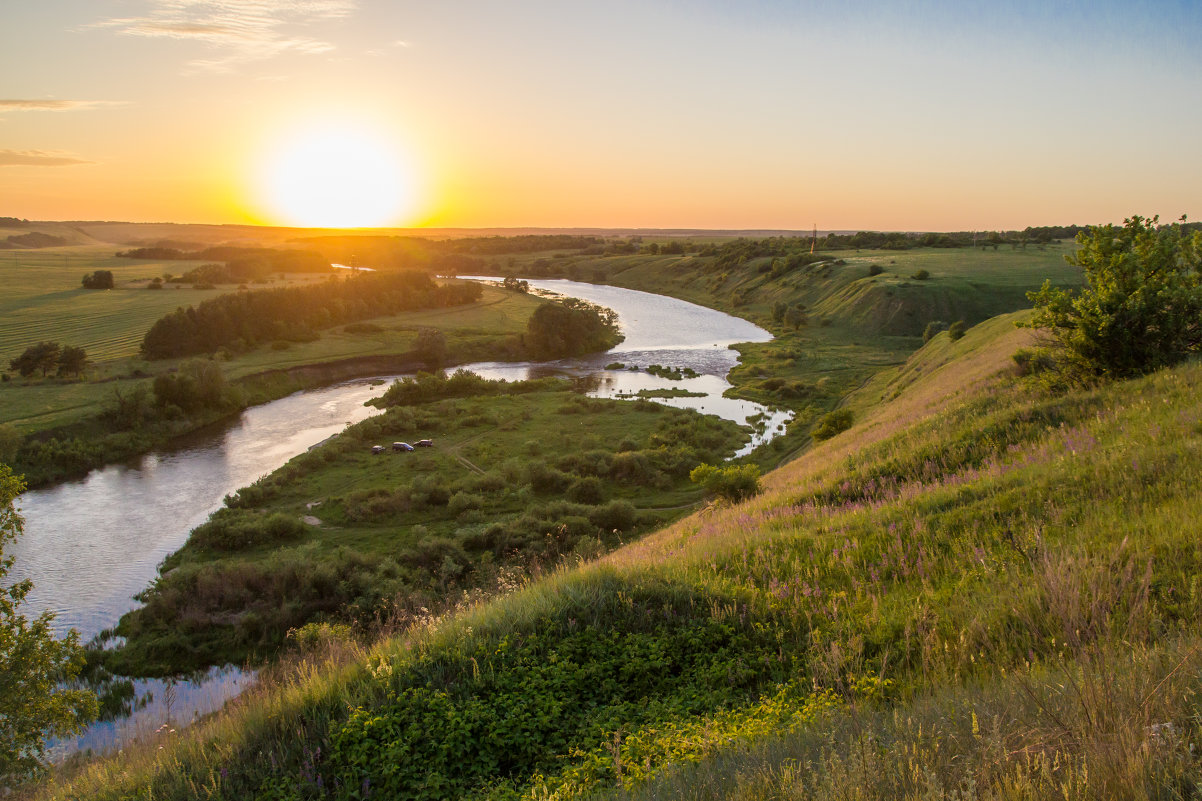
x=1141, y=308
x=733, y=483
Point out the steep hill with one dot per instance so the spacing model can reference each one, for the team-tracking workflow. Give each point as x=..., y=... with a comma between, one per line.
x=979, y=591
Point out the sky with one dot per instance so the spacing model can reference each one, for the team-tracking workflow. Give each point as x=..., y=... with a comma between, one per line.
x=927, y=116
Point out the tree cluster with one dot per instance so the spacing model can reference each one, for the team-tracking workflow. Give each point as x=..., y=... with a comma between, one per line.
x=100, y=279
x=198, y=384
x=570, y=328
x=1141, y=308
x=47, y=356
x=245, y=319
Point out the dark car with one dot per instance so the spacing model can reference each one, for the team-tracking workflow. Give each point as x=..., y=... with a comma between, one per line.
x=425, y=443
x=402, y=446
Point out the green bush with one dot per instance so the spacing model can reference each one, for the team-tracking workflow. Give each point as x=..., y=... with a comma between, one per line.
x=956, y=330
x=921, y=275
x=733, y=483
x=1141, y=303
x=587, y=490
x=239, y=531
x=831, y=424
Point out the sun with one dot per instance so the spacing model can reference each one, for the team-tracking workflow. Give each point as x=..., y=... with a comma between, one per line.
x=338, y=177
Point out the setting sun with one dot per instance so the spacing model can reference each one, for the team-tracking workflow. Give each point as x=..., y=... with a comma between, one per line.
x=338, y=178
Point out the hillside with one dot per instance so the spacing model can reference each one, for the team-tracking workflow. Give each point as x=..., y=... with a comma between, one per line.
x=977, y=590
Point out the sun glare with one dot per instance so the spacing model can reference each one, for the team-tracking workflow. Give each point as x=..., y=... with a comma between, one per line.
x=339, y=178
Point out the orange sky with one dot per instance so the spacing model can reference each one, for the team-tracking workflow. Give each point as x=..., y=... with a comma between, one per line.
x=941, y=116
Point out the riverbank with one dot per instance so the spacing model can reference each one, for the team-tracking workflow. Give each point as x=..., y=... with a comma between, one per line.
x=112, y=418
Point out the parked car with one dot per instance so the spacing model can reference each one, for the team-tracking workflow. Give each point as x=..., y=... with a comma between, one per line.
x=377, y=449
x=402, y=446
x=425, y=443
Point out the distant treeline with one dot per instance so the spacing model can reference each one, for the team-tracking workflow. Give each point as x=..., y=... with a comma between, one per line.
x=245, y=319
x=243, y=263
x=446, y=256
x=527, y=243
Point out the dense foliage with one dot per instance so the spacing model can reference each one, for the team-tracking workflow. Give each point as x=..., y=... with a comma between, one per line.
x=33, y=664
x=1141, y=308
x=570, y=328
x=245, y=319
x=732, y=483
x=98, y=279
x=497, y=713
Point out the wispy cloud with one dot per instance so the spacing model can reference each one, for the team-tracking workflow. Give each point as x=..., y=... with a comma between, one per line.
x=54, y=105
x=243, y=30
x=38, y=158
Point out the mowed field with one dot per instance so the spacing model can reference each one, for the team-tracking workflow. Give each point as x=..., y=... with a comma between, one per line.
x=43, y=299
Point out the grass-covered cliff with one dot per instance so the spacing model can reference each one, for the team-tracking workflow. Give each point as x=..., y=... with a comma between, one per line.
x=978, y=591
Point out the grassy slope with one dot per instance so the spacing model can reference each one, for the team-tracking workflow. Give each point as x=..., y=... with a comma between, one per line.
x=976, y=590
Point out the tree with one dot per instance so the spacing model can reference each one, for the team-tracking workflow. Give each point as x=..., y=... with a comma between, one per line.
x=100, y=279
x=34, y=665
x=1141, y=308
x=569, y=328
x=956, y=330
x=72, y=360
x=42, y=356
x=431, y=347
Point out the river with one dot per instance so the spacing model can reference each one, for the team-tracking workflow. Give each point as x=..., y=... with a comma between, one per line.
x=91, y=545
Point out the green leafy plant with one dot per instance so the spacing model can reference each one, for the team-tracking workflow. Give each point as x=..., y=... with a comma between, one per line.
x=1141, y=308
x=733, y=483
x=34, y=664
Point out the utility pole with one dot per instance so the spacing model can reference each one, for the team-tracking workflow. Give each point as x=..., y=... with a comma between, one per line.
x=814, y=239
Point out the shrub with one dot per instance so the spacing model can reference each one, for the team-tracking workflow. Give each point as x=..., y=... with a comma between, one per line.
x=1141, y=303
x=875, y=269
x=1032, y=361
x=462, y=501
x=921, y=275
x=236, y=532
x=733, y=483
x=586, y=490
x=933, y=328
x=956, y=330
x=831, y=424
x=614, y=516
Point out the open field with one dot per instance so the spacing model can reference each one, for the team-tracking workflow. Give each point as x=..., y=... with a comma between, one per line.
x=995, y=582
x=43, y=300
